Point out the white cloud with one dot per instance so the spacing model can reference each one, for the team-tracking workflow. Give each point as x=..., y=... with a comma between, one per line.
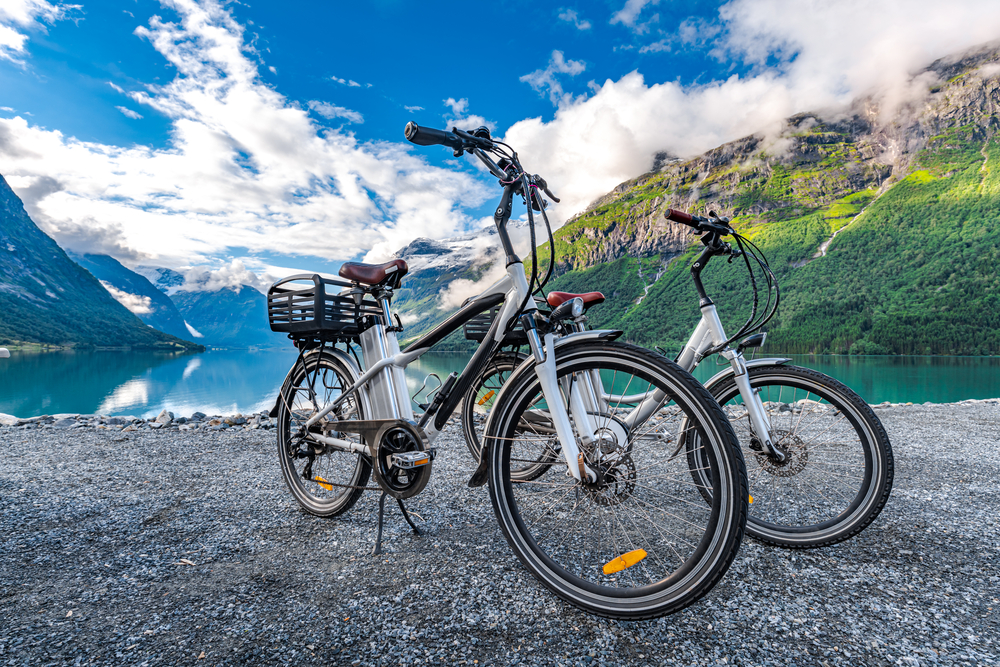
x=327, y=110
x=246, y=168
x=543, y=79
x=116, y=87
x=135, y=115
x=413, y=109
x=629, y=14
x=458, y=107
x=136, y=303
x=461, y=289
x=231, y=276
x=826, y=57
x=460, y=119
x=30, y=15
x=571, y=16
x=347, y=82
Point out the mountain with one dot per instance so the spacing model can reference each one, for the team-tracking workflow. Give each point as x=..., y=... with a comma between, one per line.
x=441, y=275
x=881, y=224
x=167, y=281
x=221, y=317
x=229, y=317
x=136, y=293
x=47, y=298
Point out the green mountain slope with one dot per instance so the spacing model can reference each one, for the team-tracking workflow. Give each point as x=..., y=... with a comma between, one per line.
x=884, y=234
x=47, y=298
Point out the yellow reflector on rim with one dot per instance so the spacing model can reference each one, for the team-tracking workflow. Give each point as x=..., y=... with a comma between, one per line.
x=625, y=561
x=487, y=397
x=751, y=500
x=322, y=482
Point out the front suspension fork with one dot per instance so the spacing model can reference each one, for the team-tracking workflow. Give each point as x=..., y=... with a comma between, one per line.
x=755, y=407
x=545, y=368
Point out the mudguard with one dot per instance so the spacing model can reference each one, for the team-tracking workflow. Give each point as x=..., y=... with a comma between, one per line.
x=479, y=477
x=728, y=371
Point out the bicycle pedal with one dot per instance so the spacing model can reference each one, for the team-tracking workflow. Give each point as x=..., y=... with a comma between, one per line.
x=410, y=460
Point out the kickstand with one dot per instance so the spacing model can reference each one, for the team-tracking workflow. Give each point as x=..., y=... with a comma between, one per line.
x=406, y=515
x=381, y=516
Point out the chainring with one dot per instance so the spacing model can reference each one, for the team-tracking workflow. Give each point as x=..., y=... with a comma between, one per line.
x=398, y=482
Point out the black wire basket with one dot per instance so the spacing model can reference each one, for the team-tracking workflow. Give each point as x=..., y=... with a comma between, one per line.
x=477, y=328
x=310, y=306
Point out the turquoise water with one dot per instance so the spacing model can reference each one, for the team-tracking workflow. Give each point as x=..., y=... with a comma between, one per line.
x=226, y=382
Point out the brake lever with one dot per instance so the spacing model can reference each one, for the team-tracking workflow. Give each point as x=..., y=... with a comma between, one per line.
x=476, y=142
x=540, y=182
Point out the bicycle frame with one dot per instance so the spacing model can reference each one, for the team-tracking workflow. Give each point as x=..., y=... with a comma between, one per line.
x=383, y=383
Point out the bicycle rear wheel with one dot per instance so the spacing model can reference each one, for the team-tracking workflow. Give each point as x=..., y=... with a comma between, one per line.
x=482, y=394
x=324, y=481
x=839, y=470
x=641, y=542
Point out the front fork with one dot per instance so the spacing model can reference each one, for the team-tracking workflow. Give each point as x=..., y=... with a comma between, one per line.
x=755, y=407
x=545, y=368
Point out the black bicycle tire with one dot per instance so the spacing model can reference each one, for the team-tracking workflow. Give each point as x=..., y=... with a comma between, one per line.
x=288, y=472
x=732, y=517
x=881, y=456
x=497, y=364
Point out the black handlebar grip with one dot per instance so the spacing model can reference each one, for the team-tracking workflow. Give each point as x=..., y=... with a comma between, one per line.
x=679, y=216
x=425, y=136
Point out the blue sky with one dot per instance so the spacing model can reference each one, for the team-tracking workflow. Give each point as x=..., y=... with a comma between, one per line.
x=263, y=137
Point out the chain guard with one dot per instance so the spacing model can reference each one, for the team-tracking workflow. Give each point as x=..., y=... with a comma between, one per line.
x=396, y=482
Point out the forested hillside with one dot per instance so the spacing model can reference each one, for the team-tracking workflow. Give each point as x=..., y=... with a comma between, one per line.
x=884, y=232
x=47, y=298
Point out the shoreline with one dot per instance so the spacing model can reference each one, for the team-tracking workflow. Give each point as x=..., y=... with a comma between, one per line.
x=260, y=420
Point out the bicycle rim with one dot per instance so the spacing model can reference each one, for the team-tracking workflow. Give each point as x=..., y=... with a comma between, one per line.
x=838, y=475
x=320, y=477
x=642, y=543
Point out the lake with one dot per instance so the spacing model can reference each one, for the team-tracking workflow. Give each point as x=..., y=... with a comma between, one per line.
x=225, y=382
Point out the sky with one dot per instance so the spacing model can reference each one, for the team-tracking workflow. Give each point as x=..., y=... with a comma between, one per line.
x=257, y=139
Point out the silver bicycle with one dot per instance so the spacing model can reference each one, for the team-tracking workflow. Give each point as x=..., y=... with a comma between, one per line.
x=617, y=527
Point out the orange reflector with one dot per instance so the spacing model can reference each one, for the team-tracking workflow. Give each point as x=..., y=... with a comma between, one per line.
x=624, y=561
x=751, y=500
x=487, y=397
x=322, y=482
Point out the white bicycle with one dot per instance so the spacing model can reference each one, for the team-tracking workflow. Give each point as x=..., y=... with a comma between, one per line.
x=617, y=527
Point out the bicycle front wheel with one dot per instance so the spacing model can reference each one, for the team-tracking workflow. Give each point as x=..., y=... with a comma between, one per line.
x=838, y=473
x=640, y=542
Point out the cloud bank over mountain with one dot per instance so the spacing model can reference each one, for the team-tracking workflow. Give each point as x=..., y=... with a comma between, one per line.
x=246, y=168
x=802, y=55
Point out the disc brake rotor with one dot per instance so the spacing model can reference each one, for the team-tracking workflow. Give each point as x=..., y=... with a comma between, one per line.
x=795, y=450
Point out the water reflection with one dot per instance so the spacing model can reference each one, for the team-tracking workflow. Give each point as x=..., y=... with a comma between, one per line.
x=225, y=382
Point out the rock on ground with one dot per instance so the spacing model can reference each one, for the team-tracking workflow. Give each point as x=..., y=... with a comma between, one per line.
x=162, y=547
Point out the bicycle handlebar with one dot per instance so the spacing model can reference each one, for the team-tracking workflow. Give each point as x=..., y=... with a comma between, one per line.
x=679, y=216
x=714, y=224
x=456, y=139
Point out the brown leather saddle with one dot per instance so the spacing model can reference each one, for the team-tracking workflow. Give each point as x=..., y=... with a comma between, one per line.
x=390, y=273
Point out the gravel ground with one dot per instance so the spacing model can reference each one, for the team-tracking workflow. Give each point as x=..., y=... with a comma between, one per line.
x=173, y=547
